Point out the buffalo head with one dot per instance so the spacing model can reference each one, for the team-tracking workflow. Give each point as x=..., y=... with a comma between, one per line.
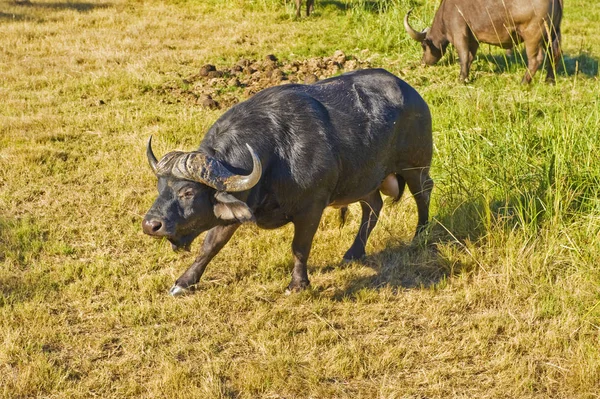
x=433, y=50
x=194, y=195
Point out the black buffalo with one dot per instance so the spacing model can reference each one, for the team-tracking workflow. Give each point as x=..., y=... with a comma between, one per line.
x=286, y=154
x=504, y=23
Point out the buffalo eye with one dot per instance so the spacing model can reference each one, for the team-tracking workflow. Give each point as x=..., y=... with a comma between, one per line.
x=187, y=193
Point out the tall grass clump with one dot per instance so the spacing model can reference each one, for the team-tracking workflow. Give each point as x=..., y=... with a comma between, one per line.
x=521, y=158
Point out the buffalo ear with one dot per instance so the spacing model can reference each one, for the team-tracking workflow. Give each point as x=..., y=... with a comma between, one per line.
x=229, y=208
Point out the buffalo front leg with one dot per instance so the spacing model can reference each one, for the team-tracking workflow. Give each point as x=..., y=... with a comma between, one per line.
x=420, y=185
x=466, y=50
x=305, y=227
x=535, y=57
x=371, y=207
x=215, y=240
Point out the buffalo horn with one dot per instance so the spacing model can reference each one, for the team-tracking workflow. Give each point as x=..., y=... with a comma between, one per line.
x=151, y=158
x=418, y=36
x=233, y=182
x=209, y=171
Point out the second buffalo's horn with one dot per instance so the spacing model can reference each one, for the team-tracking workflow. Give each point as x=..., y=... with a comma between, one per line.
x=151, y=158
x=418, y=36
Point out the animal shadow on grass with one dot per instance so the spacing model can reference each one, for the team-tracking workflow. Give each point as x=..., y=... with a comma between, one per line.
x=423, y=264
x=404, y=265
x=375, y=7
x=569, y=65
x=4, y=16
x=583, y=63
x=79, y=6
x=26, y=5
x=429, y=260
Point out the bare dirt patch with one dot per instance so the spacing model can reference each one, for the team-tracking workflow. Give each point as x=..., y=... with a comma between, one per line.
x=221, y=88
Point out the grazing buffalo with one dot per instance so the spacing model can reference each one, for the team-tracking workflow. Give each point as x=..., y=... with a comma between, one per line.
x=286, y=154
x=309, y=7
x=504, y=23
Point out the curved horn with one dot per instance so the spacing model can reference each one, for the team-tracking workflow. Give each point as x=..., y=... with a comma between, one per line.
x=418, y=36
x=207, y=170
x=151, y=158
x=242, y=183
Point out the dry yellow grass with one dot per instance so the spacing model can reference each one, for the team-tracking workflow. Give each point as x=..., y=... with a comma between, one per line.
x=503, y=300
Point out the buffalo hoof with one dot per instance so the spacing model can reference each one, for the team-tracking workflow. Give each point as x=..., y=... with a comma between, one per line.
x=290, y=291
x=178, y=291
x=297, y=287
x=352, y=256
x=347, y=261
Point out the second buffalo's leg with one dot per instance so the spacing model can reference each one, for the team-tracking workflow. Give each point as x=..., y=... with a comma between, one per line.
x=420, y=185
x=466, y=49
x=535, y=57
x=215, y=240
x=553, y=56
x=309, y=6
x=371, y=207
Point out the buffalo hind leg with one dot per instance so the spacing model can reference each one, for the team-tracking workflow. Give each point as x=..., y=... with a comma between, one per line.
x=371, y=207
x=305, y=227
x=420, y=185
x=215, y=240
x=553, y=52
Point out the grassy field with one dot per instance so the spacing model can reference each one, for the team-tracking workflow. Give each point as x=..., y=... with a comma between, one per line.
x=502, y=301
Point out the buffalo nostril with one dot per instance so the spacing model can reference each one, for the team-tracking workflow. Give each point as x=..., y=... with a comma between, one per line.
x=152, y=226
x=156, y=225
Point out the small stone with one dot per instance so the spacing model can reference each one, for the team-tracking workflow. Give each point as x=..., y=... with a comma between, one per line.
x=311, y=78
x=256, y=76
x=339, y=57
x=206, y=69
x=277, y=74
x=214, y=74
x=257, y=66
x=270, y=57
x=207, y=101
x=350, y=65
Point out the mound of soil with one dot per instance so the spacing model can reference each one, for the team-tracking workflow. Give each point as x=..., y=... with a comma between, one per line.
x=216, y=89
